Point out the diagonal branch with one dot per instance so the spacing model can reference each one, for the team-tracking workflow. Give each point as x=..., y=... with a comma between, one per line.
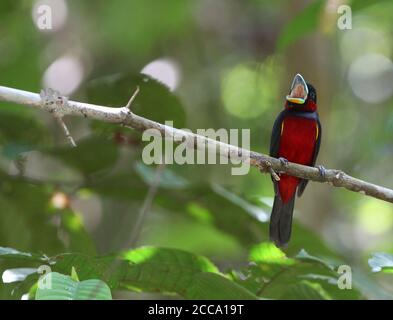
x=264, y=162
x=147, y=203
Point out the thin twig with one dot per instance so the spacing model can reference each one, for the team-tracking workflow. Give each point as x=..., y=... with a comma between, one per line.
x=128, y=106
x=146, y=205
x=124, y=116
x=62, y=124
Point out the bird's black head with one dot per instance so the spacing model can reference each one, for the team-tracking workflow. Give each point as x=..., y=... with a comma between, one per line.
x=312, y=93
x=302, y=95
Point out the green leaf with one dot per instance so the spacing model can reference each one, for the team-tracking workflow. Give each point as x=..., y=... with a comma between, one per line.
x=164, y=270
x=74, y=275
x=381, y=261
x=168, y=257
x=13, y=252
x=306, y=290
x=62, y=287
x=304, y=23
x=92, y=154
x=303, y=255
x=16, y=254
x=267, y=252
x=328, y=279
x=253, y=210
x=213, y=286
x=168, y=178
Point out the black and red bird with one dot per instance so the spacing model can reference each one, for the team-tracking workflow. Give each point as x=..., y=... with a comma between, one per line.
x=296, y=137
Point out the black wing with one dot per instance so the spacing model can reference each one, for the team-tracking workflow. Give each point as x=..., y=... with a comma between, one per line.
x=275, y=141
x=276, y=135
x=303, y=182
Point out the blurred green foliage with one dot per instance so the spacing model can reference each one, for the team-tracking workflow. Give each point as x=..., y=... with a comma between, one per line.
x=65, y=288
x=205, y=233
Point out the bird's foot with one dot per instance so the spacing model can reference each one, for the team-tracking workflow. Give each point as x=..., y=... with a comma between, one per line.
x=284, y=162
x=322, y=171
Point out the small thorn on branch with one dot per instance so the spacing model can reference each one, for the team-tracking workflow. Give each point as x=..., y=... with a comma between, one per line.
x=128, y=106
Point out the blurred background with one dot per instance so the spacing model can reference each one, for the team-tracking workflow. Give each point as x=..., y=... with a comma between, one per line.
x=203, y=64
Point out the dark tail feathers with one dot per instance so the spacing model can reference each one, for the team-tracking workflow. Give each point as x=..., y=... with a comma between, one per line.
x=281, y=221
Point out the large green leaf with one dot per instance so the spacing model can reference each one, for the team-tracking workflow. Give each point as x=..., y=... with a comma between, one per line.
x=62, y=287
x=216, y=287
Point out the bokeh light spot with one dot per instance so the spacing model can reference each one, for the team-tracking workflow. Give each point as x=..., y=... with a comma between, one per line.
x=60, y=200
x=371, y=78
x=249, y=89
x=165, y=71
x=359, y=41
x=375, y=216
x=64, y=75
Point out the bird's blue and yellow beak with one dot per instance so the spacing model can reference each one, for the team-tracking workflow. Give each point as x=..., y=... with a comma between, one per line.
x=299, y=90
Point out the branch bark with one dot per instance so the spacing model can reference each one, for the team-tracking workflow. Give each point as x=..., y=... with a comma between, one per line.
x=265, y=163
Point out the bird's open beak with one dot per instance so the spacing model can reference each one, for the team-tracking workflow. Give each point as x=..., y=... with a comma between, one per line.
x=299, y=90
